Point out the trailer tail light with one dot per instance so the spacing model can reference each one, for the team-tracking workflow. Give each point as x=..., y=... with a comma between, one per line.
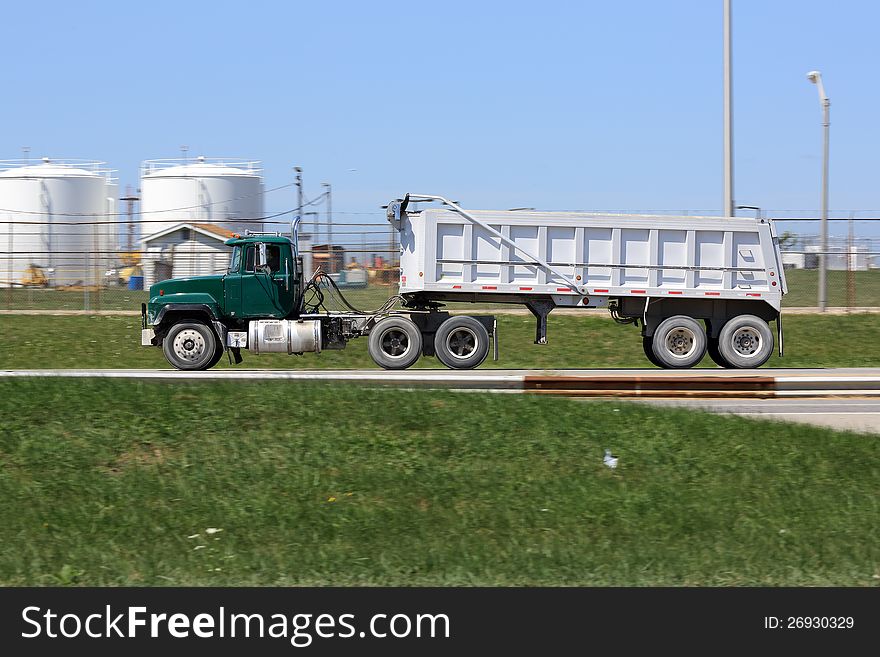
x=773, y=283
x=713, y=294
x=597, y=291
x=639, y=291
x=563, y=289
x=525, y=289
x=456, y=287
x=490, y=287
x=752, y=294
x=674, y=291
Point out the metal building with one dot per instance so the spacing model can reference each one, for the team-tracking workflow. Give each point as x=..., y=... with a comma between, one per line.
x=56, y=222
x=221, y=192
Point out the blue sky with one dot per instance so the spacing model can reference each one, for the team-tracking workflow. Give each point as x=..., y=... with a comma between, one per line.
x=558, y=105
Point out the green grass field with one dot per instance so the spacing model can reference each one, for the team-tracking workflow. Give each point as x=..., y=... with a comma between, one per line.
x=37, y=342
x=118, y=483
x=803, y=288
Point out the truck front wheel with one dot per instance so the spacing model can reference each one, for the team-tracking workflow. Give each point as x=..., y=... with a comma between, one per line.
x=190, y=346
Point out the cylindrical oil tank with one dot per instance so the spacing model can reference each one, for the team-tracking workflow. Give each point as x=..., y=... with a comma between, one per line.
x=56, y=222
x=222, y=192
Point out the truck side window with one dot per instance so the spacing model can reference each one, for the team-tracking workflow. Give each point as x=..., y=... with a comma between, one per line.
x=273, y=257
x=250, y=258
x=235, y=260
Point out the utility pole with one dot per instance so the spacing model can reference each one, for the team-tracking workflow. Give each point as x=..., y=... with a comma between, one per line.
x=728, y=209
x=183, y=151
x=299, y=194
x=331, y=254
x=26, y=151
x=130, y=199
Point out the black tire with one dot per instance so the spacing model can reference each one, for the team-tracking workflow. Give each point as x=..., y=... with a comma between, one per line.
x=461, y=343
x=648, y=347
x=679, y=342
x=218, y=354
x=190, y=346
x=395, y=343
x=746, y=342
x=715, y=354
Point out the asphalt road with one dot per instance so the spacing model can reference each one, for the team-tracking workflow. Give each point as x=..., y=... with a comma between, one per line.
x=862, y=415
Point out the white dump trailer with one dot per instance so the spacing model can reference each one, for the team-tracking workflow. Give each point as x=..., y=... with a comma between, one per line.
x=693, y=284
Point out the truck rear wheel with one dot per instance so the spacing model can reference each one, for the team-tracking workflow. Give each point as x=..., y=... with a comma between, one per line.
x=679, y=342
x=745, y=341
x=395, y=343
x=190, y=346
x=461, y=343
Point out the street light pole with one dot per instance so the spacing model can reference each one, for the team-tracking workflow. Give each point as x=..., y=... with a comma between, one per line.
x=728, y=210
x=816, y=78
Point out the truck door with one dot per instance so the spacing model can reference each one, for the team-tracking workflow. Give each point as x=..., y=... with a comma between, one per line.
x=266, y=286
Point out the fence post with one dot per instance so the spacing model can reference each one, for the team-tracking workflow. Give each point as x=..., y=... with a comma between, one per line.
x=850, y=267
x=9, y=265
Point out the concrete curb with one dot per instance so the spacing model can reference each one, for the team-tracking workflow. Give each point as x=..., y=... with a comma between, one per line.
x=600, y=383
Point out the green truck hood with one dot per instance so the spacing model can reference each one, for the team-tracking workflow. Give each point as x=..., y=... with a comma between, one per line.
x=206, y=290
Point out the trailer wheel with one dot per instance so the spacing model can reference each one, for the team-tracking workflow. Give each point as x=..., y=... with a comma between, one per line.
x=746, y=341
x=461, y=343
x=190, y=346
x=679, y=342
x=395, y=343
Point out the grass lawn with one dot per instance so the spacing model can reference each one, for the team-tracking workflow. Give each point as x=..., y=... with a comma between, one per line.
x=803, y=286
x=35, y=342
x=118, y=483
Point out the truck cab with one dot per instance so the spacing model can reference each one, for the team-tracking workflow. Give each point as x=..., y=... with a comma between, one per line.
x=263, y=279
x=191, y=318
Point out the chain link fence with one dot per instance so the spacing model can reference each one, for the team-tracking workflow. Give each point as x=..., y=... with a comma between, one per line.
x=71, y=269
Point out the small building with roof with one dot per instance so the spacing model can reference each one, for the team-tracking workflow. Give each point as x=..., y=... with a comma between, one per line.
x=185, y=249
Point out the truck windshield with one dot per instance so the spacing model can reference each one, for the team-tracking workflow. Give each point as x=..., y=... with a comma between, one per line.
x=235, y=260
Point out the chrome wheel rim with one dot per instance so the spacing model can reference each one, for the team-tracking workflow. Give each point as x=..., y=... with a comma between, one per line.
x=680, y=342
x=189, y=345
x=461, y=343
x=394, y=343
x=746, y=341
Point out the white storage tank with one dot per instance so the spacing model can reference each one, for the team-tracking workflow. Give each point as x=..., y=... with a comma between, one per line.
x=226, y=193
x=56, y=216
